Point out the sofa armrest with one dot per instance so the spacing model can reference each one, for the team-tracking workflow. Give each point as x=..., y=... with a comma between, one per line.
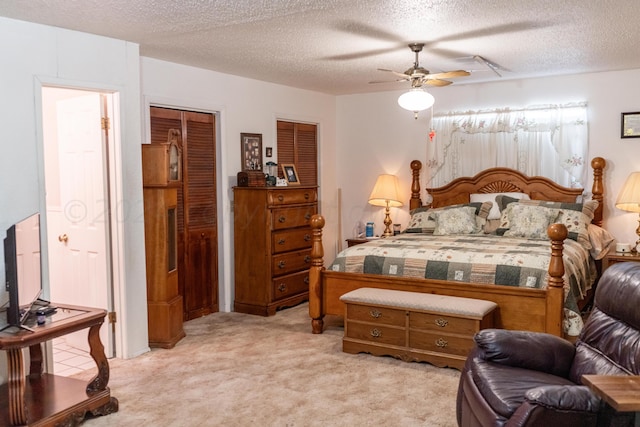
x=531, y=350
x=564, y=397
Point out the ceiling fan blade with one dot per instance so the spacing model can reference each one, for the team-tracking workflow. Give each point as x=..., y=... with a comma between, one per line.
x=490, y=31
x=437, y=82
x=361, y=29
x=448, y=74
x=403, y=76
x=388, y=81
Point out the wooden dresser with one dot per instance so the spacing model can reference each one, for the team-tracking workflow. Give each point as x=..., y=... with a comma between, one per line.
x=272, y=247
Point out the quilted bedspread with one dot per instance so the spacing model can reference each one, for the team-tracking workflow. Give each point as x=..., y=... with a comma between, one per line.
x=482, y=258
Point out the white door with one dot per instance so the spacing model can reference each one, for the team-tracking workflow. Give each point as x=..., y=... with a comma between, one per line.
x=77, y=219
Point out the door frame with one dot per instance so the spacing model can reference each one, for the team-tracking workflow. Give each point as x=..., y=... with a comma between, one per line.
x=224, y=225
x=114, y=162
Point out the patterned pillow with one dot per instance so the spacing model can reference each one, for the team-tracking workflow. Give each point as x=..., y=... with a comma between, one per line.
x=529, y=221
x=423, y=221
x=460, y=220
x=575, y=216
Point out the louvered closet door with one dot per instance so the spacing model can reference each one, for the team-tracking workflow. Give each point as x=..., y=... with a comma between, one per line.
x=200, y=214
x=297, y=144
x=197, y=207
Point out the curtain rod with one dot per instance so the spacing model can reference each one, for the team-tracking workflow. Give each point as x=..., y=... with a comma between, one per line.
x=513, y=110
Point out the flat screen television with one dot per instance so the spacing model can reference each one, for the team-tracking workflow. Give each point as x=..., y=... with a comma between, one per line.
x=22, y=249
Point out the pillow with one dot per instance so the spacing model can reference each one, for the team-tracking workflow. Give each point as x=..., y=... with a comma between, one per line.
x=529, y=221
x=423, y=221
x=492, y=197
x=575, y=216
x=601, y=241
x=461, y=220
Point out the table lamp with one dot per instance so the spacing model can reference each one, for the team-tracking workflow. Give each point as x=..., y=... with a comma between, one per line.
x=385, y=193
x=629, y=200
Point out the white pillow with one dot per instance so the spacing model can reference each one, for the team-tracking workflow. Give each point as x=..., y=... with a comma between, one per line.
x=494, y=213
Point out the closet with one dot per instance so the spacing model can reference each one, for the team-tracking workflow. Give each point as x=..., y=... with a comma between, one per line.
x=196, y=213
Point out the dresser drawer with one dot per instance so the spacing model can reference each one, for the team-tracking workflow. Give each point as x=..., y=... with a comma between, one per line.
x=292, y=217
x=290, y=262
x=290, y=240
x=292, y=197
x=291, y=284
x=443, y=343
x=382, y=334
x=381, y=315
x=442, y=323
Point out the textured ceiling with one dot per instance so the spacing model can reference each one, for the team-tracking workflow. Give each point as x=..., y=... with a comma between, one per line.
x=337, y=46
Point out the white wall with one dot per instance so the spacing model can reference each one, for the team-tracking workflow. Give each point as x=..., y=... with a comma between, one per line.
x=244, y=105
x=376, y=136
x=35, y=55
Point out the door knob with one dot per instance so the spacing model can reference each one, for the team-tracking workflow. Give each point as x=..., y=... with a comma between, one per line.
x=63, y=238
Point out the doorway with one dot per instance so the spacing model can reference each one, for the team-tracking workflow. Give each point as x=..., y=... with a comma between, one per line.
x=77, y=134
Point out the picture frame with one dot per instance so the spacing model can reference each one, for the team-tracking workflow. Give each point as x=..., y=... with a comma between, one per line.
x=290, y=174
x=251, y=151
x=268, y=152
x=630, y=125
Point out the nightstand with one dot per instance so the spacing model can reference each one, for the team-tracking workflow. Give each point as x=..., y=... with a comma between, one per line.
x=614, y=257
x=356, y=241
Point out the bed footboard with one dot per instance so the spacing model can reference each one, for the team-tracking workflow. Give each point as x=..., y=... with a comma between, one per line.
x=539, y=310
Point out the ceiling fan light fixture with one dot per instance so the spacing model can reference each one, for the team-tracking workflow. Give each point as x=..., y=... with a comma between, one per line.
x=416, y=100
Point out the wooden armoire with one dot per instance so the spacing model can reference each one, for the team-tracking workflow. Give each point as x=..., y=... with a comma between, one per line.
x=197, y=233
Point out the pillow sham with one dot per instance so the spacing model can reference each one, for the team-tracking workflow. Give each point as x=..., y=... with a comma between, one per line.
x=461, y=220
x=423, y=221
x=492, y=197
x=575, y=216
x=529, y=221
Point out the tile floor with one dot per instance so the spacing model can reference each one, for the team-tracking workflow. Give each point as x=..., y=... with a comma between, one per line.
x=68, y=360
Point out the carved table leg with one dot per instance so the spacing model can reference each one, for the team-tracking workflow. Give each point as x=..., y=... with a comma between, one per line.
x=36, y=359
x=16, y=383
x=100, y=381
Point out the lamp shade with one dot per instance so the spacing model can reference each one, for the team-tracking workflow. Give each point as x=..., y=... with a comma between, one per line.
x=416, y=100
x=385, y=191
x=629, y=197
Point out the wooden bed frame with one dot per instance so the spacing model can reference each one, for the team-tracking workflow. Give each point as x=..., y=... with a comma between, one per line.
x=518, y=308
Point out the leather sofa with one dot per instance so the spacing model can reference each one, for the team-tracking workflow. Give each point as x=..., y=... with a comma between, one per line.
x=518, y=378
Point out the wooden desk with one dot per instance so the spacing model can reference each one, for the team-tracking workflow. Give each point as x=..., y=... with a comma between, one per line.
x=45, y=399
x=622, y=392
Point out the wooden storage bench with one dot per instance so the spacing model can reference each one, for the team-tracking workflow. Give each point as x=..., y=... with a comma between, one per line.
x=413, y=326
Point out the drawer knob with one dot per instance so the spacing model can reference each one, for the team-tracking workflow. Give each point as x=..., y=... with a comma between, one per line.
x=306, y=280
x=282, y=219
x=307, y=259
x=280, y=197
x=307, y=237
x=281, y=242
x=441, y=343
x=307, y=216
x=306, y=196
x=281, y=264
x=376, y=333
x=442, y=322
x=282, y=287
x=376, y=314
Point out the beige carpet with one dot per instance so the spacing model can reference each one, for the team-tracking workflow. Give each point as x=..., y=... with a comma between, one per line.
x=241, y=370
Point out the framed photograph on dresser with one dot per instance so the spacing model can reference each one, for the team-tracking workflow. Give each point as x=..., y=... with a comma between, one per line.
x=290, y=174
x=251, y=146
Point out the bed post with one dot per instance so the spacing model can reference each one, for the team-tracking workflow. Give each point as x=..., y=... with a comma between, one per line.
x=315, y=275
x=415, y=201
x=555, y=286
x=597, y=190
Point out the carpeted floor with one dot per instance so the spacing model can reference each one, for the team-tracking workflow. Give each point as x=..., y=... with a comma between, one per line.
x=240, y=370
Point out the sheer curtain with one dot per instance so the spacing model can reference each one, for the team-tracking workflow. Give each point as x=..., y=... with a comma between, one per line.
x=549, y=141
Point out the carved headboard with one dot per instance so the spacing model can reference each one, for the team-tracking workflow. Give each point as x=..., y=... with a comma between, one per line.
x=500, y=180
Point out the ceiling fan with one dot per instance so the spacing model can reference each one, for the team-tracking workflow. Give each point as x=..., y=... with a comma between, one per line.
x=419, y=76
